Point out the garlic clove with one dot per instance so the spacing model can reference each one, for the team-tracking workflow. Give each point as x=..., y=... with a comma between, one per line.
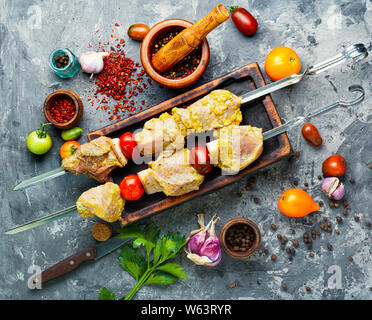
x=329, y=185
x=339, y=193
x=92, y=62
x=332, y=188
x=203, y=246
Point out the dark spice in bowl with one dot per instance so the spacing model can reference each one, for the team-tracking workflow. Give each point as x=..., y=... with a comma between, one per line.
x=240, y=237
x=61, y=109
x=184, y=67
x=61, y=61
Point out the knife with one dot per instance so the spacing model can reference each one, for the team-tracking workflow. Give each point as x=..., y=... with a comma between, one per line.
x=71, y=263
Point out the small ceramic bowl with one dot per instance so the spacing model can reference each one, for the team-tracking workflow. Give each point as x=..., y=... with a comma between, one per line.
x=240, y=255
x=152, y=36
x=79, y=109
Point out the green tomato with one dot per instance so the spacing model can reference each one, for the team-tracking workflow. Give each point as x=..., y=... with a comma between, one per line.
x=39, y=142
x=71, y=134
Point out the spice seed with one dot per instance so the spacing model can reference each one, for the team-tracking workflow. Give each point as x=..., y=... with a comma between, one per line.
x=273, y=226
x=284, y=287
x=273, y=257
x=351, y=259
x=356, y=218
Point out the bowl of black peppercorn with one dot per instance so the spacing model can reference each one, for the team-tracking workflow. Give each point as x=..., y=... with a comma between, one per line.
x=240, y=238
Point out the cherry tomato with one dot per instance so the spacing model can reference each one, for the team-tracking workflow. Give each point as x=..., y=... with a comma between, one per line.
x=131, y=188
x=296, y=203
x=199, y=159
x=334, y=166
x=68, y=148
x=282, y=62
x=244, y=21
x=138, y=31
x=311, y=135
x=127, y=144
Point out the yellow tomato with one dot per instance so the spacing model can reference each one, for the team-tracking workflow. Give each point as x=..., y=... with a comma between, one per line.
x=296, y=203
x=68, y=148
x=282, y=62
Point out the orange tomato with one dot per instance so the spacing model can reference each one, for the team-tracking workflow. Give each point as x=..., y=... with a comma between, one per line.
x=68, y=148
x=282, y=62
x=296, y=203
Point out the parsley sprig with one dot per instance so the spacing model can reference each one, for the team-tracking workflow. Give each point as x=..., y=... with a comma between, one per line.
x=152, y=268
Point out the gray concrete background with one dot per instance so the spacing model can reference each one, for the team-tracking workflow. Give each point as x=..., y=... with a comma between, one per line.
x=316, y=30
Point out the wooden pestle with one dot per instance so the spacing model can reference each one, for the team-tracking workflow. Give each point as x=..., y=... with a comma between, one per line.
x=188, y=39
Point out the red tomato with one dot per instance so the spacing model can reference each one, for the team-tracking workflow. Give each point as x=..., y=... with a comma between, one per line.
x=199, y=159
x=127, y=144
x=131, y=188
x=311, y=135
x=334, y=166
x=244, y=21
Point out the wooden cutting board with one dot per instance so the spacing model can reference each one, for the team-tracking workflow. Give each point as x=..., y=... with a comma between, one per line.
x=259, y=113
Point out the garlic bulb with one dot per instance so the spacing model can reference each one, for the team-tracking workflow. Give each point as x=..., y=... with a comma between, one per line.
x=203, y=247
x=92, y=62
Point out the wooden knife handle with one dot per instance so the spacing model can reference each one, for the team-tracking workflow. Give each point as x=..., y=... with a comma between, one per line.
x=187, y=40
x=65, y=266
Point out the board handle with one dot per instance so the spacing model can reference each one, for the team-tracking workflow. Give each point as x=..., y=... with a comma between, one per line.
x=63, y=267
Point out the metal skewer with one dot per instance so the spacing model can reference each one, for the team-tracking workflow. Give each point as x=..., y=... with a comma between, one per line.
x=266, y=135
x=353, y=53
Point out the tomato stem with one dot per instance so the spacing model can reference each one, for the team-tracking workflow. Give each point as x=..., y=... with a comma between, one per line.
x=41, y=132
x=233, y=8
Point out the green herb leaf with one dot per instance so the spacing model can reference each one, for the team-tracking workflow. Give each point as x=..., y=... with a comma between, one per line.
x=106, y=294
x=157, y=252
x=146, y=271
x=131, y=261
x=174, y=269
x=133, y=269
x=131, y=232
x=153, y=233
x=160, y=278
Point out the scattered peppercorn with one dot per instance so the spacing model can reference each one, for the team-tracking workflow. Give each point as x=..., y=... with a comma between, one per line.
x=337, y=204
x=295, y=183
x=284, y=287
x=266, y=251
x=279, y=236
x=368, y=224
x=308, y=289
x=352, y=180
x=338, y=231
x=239, y=194
x=306, y=184
x=345, y=213
x=330, y=247
x=273, y=226
x=319, y=177
x=256, y=200
x=321, y=203
x=351, y=259
x=295, y=243
x=331, y=204
x=311, y=255
x=339, y=219
x=356, y=218
x=273, y=257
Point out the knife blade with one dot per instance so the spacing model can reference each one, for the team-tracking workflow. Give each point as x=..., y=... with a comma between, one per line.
x=71, y=263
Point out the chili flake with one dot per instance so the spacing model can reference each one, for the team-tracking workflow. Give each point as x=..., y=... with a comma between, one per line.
x=61, y=109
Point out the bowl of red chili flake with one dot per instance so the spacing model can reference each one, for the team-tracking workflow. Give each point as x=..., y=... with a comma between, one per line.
x=63, y=109
x=187, y=71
